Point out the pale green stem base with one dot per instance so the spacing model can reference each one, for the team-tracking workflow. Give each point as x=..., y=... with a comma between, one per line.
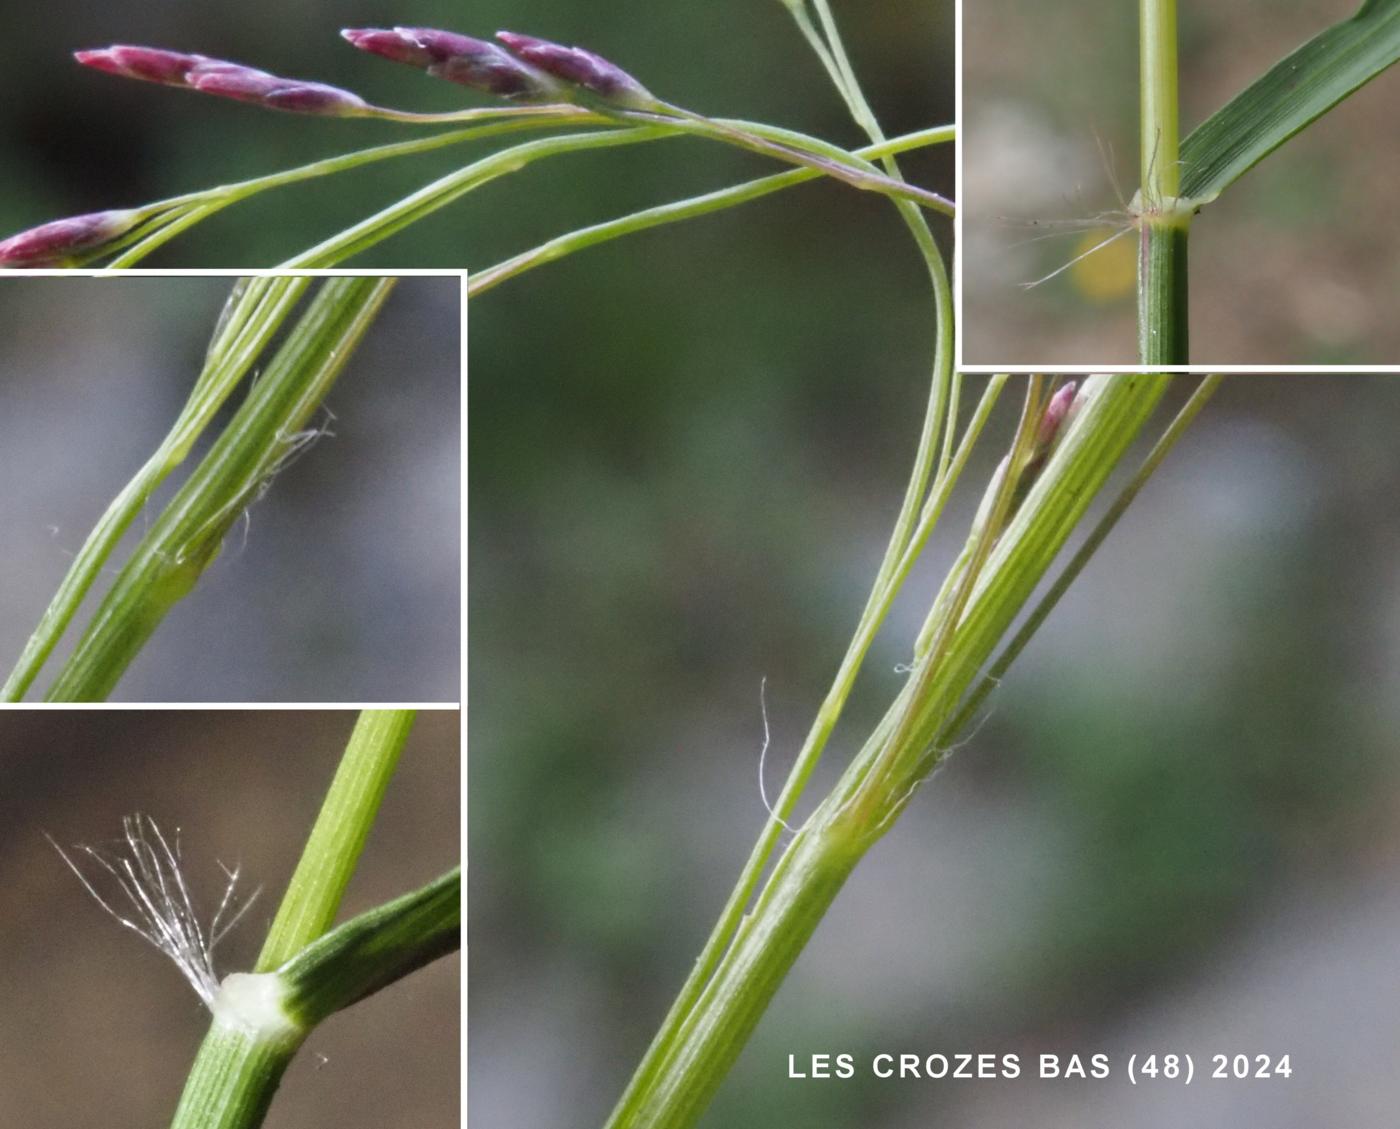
x=233, y=1080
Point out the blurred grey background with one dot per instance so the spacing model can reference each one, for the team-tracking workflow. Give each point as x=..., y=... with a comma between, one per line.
x=343, y=585
x=99, y=1028
x=1178, y=829
x=1298, y=262
x=74, y=141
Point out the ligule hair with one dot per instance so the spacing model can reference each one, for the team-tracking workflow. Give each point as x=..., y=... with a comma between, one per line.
x=154, y=899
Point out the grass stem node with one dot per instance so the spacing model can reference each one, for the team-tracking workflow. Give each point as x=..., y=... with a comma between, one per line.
x=1167, y=211
x=254, y=1004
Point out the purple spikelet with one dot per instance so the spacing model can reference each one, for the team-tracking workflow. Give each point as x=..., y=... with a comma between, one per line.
x=60, y=242
x=1056, y=412
x=460, y=59
x=582, y=69
x=223, y=79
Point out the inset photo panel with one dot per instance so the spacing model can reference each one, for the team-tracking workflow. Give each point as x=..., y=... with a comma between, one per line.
x=231, y=489
x=326, y=134
x=1168, y=184
x=230, y=917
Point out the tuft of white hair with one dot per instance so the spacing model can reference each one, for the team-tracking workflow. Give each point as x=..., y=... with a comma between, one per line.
x=155, y=901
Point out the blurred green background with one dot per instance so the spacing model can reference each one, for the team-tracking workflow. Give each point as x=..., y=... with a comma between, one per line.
x=74, y=141
x=1297, y=263
x=99, y=1028
x=1178, y=829
x=344, y=581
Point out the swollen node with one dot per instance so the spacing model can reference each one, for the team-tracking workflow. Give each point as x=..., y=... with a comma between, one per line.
x=253, y=1004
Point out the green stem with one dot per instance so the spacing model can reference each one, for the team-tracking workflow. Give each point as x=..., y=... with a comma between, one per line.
x=555, y=249
x=1163, y=302
x=333, y=848
x=1163, y=216
x=305, y=972
x=794, y=148
x=1159, y=128
x=1114, y=412
x=188, y=535
x=454, y=185
x=261, y=307
x=234, y=1077
x=845, y=74
x=804, y=884
x=798, y=10
x=553, y=112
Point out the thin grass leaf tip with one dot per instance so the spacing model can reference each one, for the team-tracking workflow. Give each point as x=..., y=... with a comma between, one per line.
x=155, y=901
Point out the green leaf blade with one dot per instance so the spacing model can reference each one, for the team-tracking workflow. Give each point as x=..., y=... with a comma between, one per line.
x=1290, y=96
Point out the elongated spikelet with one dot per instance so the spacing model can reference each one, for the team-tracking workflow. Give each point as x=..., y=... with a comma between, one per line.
x=460, y=59
x=60, y=243
x=581, y=68
x=223, y=79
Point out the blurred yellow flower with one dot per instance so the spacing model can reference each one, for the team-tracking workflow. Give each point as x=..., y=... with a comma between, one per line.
x=1110, y=272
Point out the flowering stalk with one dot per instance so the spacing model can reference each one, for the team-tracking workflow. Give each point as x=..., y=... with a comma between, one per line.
x=480, y=281
x=552, y=83
x=242, y=83
x=443, y=191
x=925, y=496
x=537, y=70
x=1064, y=447
x=80, y=240
x=1163, y=215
